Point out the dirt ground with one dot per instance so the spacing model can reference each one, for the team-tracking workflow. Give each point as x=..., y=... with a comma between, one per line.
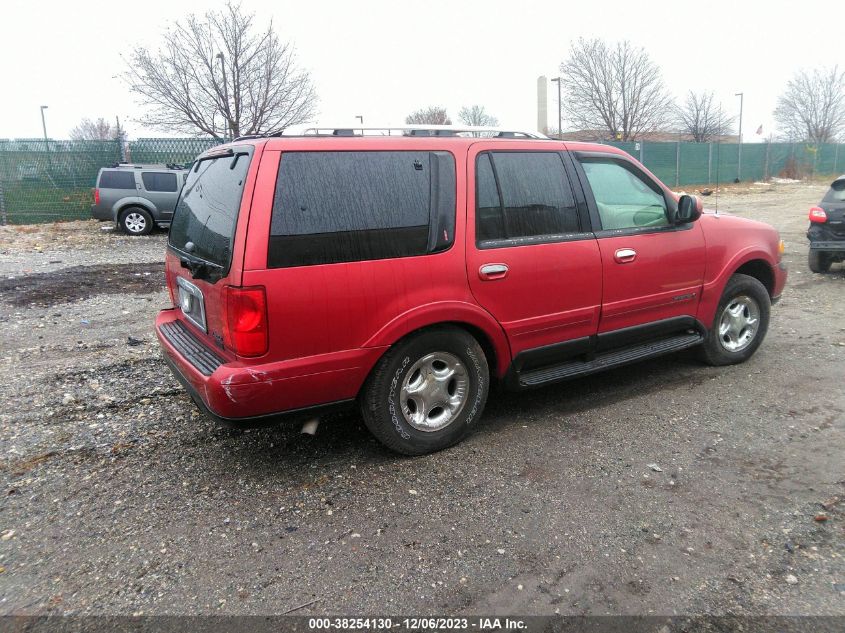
x=117, y=497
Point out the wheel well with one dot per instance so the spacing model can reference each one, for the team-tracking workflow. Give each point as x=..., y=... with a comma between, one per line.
x=477, y=333
x=761, y=271
x=132, y=205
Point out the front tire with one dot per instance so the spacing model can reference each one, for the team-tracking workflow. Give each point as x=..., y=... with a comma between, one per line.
x=740, y=324
x=136, y=221
x=427, y=392
x=819, y=261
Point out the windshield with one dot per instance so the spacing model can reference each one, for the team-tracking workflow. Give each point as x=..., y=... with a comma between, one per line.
x=207, y=211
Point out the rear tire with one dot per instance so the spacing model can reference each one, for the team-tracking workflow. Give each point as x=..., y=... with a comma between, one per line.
x=427, y=391
x=819, y=261
x=136, y=221
x=740, y=324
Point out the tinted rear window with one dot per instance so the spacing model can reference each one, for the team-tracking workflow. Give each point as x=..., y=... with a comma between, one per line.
x=351, y=206
x=207, y=211
x=836, y=192
x=156, y=181
x=117, y=180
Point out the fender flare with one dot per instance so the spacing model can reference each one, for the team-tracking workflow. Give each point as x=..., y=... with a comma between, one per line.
x=455, y=312
x=134, y=201
x=711, y=291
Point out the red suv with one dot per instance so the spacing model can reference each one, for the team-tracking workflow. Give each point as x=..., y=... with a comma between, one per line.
x=409, y=273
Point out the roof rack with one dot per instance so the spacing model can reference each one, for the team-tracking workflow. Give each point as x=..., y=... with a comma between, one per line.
x=174, y=166
x=407, y=130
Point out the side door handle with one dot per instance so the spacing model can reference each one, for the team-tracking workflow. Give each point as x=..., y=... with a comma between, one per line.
x=490, y=272
x=625, y=255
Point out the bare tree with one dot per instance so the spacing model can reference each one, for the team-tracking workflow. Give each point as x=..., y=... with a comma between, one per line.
x=220, y=75
x=432, y=115
x=99, y=130
x=813, y=106
x=701, y=118
x=477, y=115
x=616, y=88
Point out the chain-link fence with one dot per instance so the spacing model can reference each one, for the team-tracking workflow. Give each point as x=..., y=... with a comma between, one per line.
x=43, y=181
x=679, y=164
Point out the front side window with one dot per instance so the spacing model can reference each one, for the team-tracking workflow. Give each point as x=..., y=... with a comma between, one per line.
x=624, y=199
x=332, y=207
x=157, y=181
x=523, y=195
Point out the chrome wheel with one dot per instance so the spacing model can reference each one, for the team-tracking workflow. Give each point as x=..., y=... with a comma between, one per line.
x=135, y=222
x=434, y=391
x=739, y=323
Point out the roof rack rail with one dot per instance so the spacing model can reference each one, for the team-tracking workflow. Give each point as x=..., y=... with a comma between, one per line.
x=408, y=130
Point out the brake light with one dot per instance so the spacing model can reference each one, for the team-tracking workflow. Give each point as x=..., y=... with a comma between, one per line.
x=96, y=196
x=246, y=321
x=817, y=214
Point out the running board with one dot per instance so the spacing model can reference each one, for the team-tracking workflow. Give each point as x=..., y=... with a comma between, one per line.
x=616, y=358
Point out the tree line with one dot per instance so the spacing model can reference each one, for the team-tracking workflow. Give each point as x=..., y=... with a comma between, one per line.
x=222, y=75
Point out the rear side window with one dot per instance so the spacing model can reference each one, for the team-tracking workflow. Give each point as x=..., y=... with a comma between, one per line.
x=332, y=207
x=156, y=181
x=523, y=195
x=836, y=192
x=117, y=180
x=207, y=210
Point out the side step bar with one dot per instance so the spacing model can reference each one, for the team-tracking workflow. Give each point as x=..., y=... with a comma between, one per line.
x=616, y=358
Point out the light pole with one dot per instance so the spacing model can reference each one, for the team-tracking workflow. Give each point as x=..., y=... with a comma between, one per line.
x=559, y=109
x=225, y=94
x=44, y=127
x=741, y=96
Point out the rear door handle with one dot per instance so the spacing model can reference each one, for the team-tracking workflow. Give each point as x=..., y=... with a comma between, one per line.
x=490, y=272
x=625, y=255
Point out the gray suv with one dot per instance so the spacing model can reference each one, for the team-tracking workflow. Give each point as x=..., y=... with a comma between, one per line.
x=137, y=197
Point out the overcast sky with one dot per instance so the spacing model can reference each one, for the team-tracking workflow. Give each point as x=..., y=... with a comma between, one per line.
x=385, y=59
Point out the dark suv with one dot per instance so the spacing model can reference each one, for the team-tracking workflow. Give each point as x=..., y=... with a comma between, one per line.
x=406, y=274
x=827, y=229
x=137, y=197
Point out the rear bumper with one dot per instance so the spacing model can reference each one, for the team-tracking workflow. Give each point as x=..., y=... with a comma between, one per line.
x=101, y=213
x=828, y=246
x=259, y=394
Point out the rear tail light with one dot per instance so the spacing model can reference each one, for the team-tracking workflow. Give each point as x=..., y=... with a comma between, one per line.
x=246, y=321
x=817, y=214
x=96, y=196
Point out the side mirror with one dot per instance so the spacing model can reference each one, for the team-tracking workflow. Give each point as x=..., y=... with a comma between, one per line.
x=689, y=210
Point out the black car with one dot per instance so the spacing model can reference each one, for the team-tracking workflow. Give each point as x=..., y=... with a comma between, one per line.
x=827, y=229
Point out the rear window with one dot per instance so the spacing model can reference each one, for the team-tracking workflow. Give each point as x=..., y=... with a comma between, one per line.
x=836, y=192
x=117, y=180
x=157, y=181
x=334, y=207
x=207, y=211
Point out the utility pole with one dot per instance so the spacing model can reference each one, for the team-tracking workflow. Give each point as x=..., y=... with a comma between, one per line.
x=44, y=127
x=559, y=109
x=741, y=96
x=225, y=96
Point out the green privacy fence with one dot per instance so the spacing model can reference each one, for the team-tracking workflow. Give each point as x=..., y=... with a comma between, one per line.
x=44, y=181
x=678, y=164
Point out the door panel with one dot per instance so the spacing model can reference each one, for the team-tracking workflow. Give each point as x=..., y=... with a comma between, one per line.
x=663, y=280
x=529, y=262
x=652, y=270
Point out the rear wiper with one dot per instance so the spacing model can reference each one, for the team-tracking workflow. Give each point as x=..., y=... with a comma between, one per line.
x=201, y=269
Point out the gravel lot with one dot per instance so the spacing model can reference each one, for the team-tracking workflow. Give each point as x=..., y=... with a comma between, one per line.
x=118, y=497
